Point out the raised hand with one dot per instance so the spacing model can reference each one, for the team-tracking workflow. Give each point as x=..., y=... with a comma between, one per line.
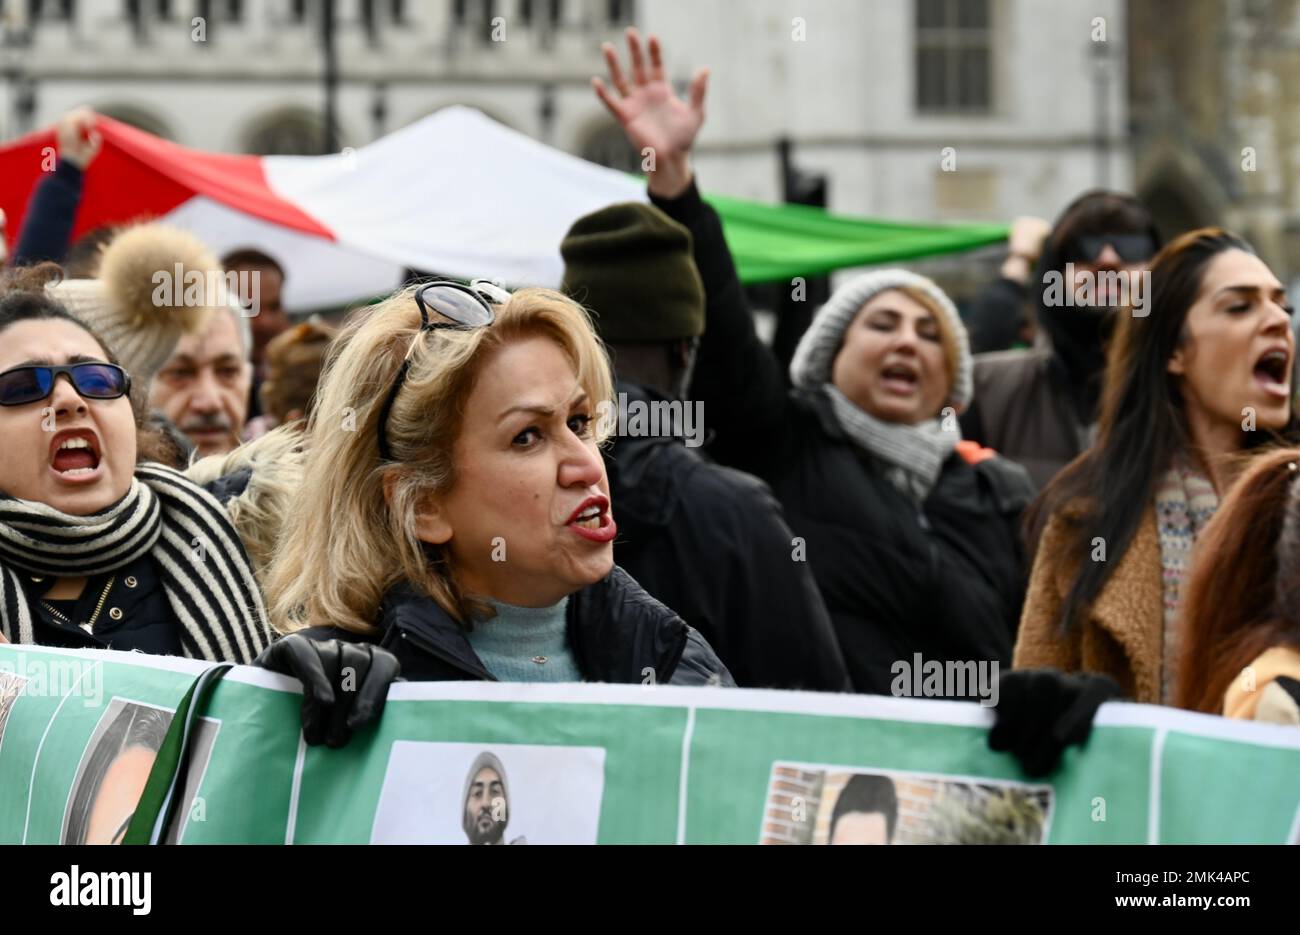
x=78, y=139
x=658, y=123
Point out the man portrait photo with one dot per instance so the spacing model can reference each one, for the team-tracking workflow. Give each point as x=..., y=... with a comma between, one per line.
x=486, y=802
x=866, y=811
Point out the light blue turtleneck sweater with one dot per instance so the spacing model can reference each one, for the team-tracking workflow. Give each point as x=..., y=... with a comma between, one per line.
x=526, y=644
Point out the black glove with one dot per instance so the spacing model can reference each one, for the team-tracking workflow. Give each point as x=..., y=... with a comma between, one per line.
x=1040, y=712
x=344, y=685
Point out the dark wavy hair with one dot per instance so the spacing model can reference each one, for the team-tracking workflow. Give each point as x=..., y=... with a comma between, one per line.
x=135, y=726
x=1143, y=422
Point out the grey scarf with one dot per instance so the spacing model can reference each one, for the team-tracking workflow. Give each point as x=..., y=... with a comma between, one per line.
x=913, y=454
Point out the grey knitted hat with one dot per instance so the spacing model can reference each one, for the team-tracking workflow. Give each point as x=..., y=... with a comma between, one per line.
x=129, y=305
x=810, y=368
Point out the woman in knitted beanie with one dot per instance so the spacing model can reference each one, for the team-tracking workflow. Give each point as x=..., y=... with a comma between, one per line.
x=910, y=532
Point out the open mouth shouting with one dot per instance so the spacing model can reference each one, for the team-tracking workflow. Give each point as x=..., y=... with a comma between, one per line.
x=74, y=456
x=592, y=520
x=901, y=379
x=1272, y=372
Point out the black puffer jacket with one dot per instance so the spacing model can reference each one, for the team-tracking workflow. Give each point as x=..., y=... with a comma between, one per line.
x=945, y=580
x=710, y=542
x=618, y=632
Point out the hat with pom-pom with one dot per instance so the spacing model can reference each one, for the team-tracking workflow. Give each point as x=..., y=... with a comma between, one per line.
x=147, y=296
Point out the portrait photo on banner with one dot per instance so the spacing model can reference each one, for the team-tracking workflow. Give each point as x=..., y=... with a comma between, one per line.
x=467, y=793
x=816, y=804
x=115, y=766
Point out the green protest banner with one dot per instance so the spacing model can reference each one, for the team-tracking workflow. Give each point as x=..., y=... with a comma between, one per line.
x=536, y=764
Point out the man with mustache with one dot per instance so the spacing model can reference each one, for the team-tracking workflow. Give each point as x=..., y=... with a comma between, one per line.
x=203, y=388
x=487, y=802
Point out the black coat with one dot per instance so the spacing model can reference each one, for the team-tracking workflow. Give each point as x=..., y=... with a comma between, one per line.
x=997, y=315
x=133, y=612
x=945, y=579
x=51, y=211
x=710, y=543
x=617, y=631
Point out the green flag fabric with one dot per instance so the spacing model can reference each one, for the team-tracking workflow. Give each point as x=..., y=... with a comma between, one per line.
x=779, y=242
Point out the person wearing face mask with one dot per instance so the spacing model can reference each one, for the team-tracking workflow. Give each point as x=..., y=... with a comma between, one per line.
x=1203, y=377
x=1038, y=407
x=470, y=531
x=99, y=547
x=909, y=532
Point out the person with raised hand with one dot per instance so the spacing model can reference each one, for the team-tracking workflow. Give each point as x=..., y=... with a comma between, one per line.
x=52, y=208
x=910, y=534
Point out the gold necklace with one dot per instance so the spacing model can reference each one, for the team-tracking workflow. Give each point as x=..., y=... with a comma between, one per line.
x=88, y=626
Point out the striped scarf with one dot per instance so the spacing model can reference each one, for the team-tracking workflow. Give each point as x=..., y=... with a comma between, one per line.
x=206, y=575
x=1185, y=501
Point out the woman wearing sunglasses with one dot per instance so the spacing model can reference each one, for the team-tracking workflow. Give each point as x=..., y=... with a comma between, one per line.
x=455, y=509
x=98, y=547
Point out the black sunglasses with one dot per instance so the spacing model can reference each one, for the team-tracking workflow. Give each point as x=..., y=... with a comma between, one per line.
x=1132, y=248
x=24, y=385
x=465, y=306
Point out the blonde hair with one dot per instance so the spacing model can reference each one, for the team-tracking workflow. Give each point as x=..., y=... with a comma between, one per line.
x=275, y=462
x=344, y=543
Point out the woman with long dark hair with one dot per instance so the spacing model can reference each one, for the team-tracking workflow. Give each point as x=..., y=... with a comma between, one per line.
x=1201, y=377
x=1241, y=613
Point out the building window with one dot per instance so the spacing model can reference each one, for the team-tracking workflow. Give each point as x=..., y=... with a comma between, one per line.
x=292, y=132
x=231, y=11
x=954, y=56
x=38, y=10
x=375, y=13
x=620, y=12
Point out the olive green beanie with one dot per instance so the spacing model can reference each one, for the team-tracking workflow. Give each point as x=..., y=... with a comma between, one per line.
x=633, y=267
